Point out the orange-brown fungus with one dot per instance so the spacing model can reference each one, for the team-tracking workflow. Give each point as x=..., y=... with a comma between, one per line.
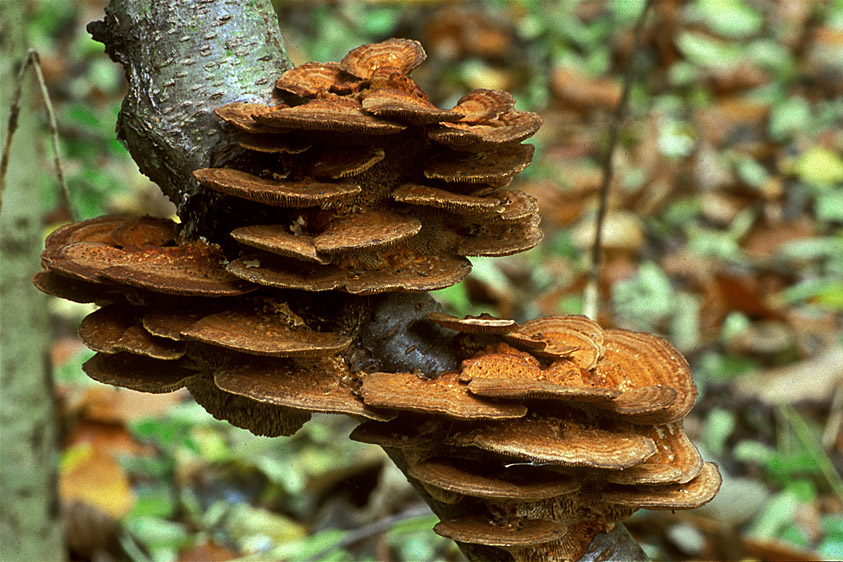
x=360, y=198
x=539, y=435
x=173, y=315
x=602, y=435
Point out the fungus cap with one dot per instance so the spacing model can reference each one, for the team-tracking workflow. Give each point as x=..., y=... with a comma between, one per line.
x=403, y=54
x=634, y=360
x=512, y=127
x=516, y=532
x=135, y=339
x=407, y=271
x=278, y=239
x=346, y=161
x=643, y=402
x=444, y=395
x=479, y=167
x=689, y=495
x=278, y=193
x=144, y=231
x=262, y=332
x=334, y=114
x=484, y=105
x=81, y=261
x=193, y=268
x=369, y=231
x=533, y=485
x=169, y=321
x=259, y=418
x=483, y=324
x=426, y=196
x=242, y=116
x=677, y=460
x=406, y=107
x=98, y=229
x=275, y=143
x=557, y=441
x=502, y=238
x=139, y=373
x=506, y=375
x=313, y=78
x=564, y=332
x=318, y=386
x=73, y=289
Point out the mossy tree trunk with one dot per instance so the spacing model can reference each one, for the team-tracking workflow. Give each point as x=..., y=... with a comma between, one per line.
x=30, y=522
x=183, y=59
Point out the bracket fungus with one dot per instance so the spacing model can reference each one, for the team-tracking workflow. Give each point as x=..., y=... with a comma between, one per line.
x=601, y=428
x=377, y=205
x=352, y=183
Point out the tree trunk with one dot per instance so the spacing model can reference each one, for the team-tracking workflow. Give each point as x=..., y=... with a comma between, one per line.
x=184, y=58
x=30, y=522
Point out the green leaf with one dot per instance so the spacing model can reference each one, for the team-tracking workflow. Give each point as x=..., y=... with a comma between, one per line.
x=719, y=425
x=155, y=532
x=748, y=451
x=154, y=501
x=733, y=18
x=829, y=206
x=779, y=511
x=819, y=166
x=703, y=50
x=789, y=117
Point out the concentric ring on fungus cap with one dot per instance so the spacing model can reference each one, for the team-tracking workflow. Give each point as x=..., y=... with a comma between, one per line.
x=444, y=395
x=334, y=114
x=689, y=495
x=426, y=196
x=366, y=231
x=479, y=167
x=269, y=192
x=483, y=324
x=408, y=272
x=263, y=333
x=277, y=239
x=633, y=360
x=314, y=385
x=313, y=78
x=562, y=333
x=556, y=441
x=534, y=484
x=403, y=54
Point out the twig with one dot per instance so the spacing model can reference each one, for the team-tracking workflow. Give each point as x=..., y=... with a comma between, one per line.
x=591, y=297
x=34, y=60
x=371, y=530
x=835, y=420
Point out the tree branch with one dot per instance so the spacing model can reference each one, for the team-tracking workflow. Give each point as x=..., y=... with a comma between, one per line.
x=182, y=59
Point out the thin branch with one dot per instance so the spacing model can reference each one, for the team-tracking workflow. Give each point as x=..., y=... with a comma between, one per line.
x=372, y=529
x=34, y=60
x=591, y=298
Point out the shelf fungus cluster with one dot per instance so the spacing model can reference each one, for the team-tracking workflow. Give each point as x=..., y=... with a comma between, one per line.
x=171, y=316
x=352, y=184
x=548, y=433
x=356, y=182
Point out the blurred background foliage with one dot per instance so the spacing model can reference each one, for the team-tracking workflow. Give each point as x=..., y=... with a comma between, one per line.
x=724, y=234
